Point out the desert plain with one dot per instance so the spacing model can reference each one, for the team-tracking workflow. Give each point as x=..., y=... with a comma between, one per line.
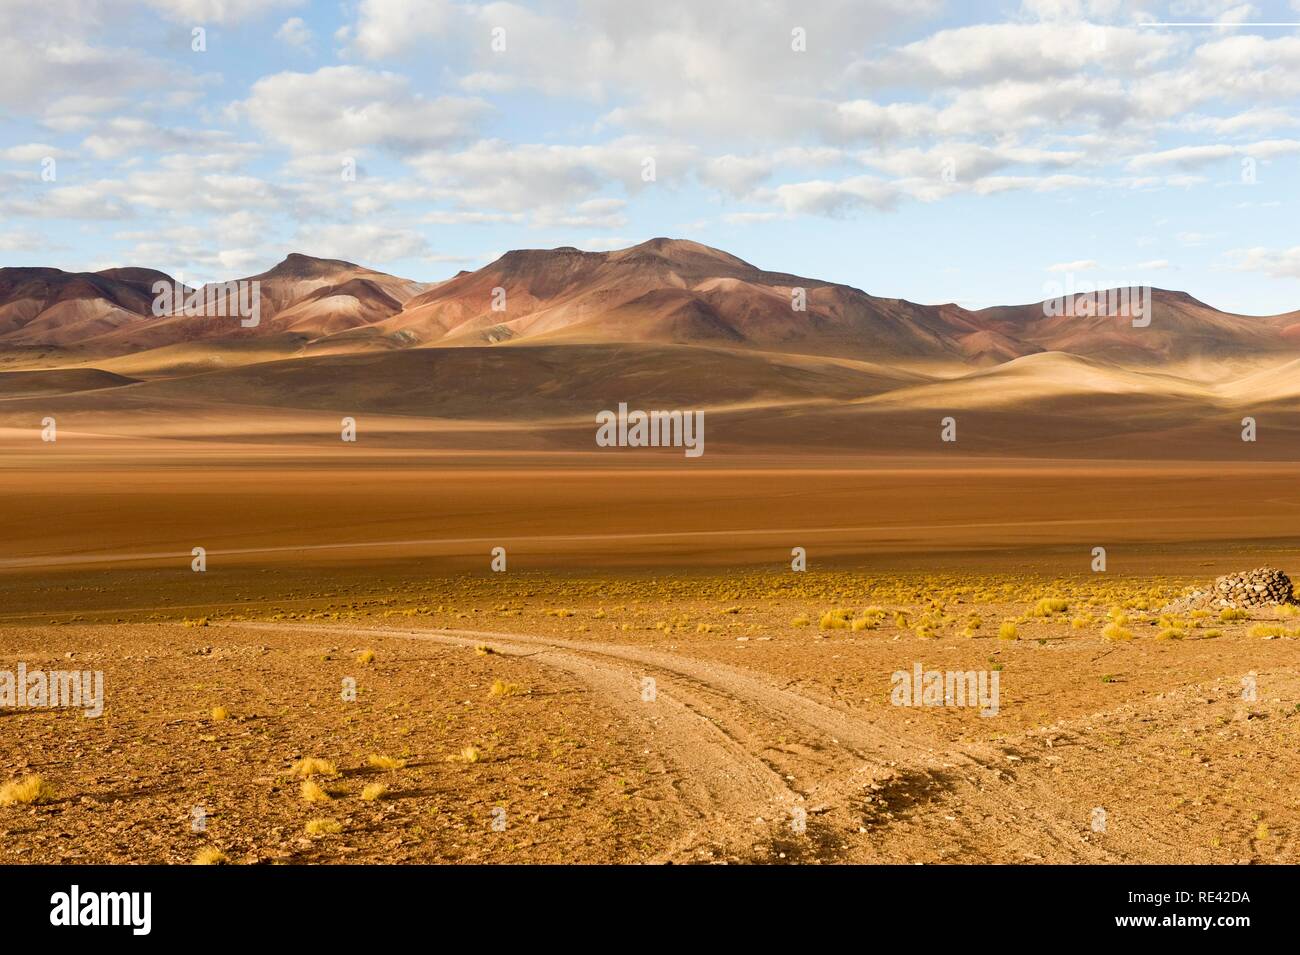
x=511, y=705
x=472, y=635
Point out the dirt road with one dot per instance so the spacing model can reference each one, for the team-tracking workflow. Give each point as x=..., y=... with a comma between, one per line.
x=759, y=762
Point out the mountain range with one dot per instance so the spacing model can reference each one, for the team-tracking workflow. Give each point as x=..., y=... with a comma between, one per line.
x=554, y=335
x=662, y=291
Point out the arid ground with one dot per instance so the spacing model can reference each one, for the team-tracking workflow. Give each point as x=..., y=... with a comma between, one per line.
x=647, y=676
x=513, y=705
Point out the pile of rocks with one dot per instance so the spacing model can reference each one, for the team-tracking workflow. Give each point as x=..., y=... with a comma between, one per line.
x=1261, y=587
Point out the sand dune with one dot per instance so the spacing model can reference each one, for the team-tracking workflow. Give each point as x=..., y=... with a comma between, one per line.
x=1043, y=377
x=58, y=381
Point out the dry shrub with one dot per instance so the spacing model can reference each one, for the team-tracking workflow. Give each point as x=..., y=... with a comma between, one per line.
x=30, y=790
x=311, y=766
x=323, y=827
x=312, y=791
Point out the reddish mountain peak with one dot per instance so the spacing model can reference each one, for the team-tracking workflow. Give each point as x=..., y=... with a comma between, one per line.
x=296, y=265
x=545, y=258
x=682, y=252
x=678, y=254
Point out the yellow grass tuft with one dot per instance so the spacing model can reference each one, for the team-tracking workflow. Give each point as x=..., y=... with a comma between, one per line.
x=366, y=657
x=470, y=754
x=1050, y=605
x=211, y=855
x=1114, y=631
x=312, y=791
x=220, y=713
x=311, y=766
x=374, y=791
x=385, y=762
x=1007, y=631
x=836, y=619
x=1268, y=630
x=323, y=827
x=1231, y=614
x=483, y=650
x=800, y=621
x=28, y=791
x=503, y=688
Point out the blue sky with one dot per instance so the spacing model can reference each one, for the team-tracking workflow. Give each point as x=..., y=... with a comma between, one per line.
x=968, y=152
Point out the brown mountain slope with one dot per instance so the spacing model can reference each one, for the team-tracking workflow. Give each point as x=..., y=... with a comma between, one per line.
x=663, y=291
x=299, y=281
x=53, y=307
x=112, y=312
x=668, y=291
x=358, y=302
x=1181, y=328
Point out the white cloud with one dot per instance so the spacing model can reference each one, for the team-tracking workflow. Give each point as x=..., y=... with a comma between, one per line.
x=994, y=53
x=385, y=28
x=33, y=152
x=493, y=175
x=24, y=241
x=346, y=107
x=365, y=243
x=122, y=136
x=1278, y=264
x=834, y=199
x=737, y=175
x=1185, y=157
x=199, y=12
x=1192, y=157
x=295, y=33
x=1256, y=118
x=592, y=214
x=95, y=201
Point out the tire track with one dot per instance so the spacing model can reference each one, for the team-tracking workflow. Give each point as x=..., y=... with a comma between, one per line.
x=716, y=726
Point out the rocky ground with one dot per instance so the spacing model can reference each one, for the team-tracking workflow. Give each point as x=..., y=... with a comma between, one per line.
x=724, y=718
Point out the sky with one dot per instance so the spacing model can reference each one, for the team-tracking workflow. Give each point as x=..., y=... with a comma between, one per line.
x=973, y=152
